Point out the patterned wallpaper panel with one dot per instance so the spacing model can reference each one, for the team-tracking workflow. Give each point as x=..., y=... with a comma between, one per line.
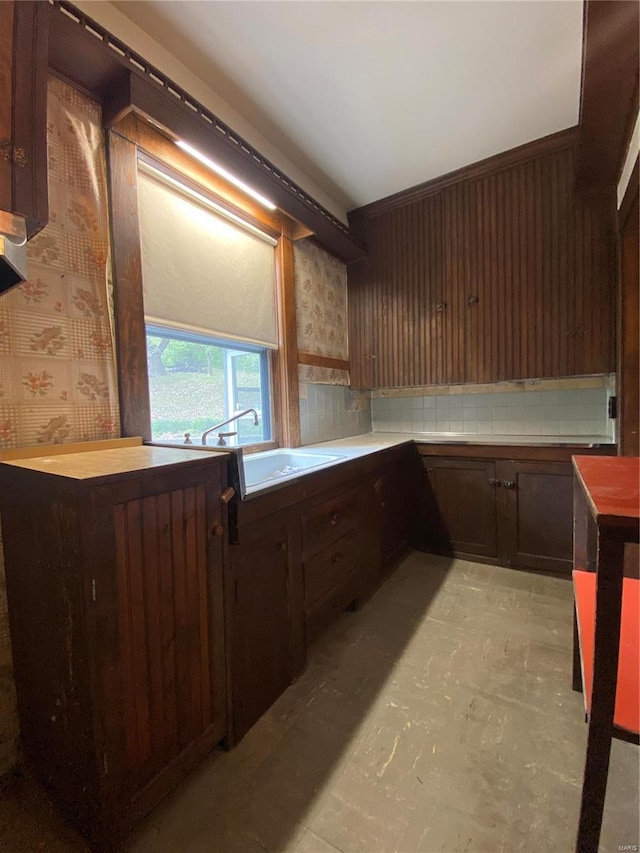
x=57, y=365
x=321, y=307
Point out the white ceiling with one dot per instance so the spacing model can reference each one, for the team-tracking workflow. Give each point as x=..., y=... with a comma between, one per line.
x=368, y=98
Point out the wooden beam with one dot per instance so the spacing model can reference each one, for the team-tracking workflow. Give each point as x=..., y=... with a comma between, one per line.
x=287, y=361
x=131, y=347
x=322, y=361
x=610, y=59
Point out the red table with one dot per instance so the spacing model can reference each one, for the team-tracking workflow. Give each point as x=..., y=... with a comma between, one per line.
x=606, y=520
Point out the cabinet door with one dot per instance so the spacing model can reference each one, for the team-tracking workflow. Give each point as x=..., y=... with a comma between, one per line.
x=395, y=490
x=162, y=627
x=258, y=621
x=460, y=514
x=536, y=516
x=23, y=112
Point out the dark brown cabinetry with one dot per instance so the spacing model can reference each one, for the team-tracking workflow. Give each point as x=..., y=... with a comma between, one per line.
x=114, y=564
x=260, y=623
x=334, y=556
x=535, y=505
x=515, y=512
x=23, y=121
x=460, y=506
x=499, y=271
x=394, y=509
x=306, y=553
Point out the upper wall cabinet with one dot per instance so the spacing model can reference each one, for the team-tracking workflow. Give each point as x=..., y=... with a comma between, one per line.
x=23, y=131
x=501, y=275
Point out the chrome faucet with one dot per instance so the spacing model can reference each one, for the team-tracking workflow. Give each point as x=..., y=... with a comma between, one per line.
x=222, y=436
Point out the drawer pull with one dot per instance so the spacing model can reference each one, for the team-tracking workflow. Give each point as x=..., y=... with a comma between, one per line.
x=336, y=558
x=509, y=484
x=227, y=495
x=334, y=519
x=217, y=530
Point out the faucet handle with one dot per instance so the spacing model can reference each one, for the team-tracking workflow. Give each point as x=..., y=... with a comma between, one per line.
x=187, y=438
x=222, y=436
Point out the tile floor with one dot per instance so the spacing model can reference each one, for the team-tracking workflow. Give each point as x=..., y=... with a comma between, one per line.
x=440, y=717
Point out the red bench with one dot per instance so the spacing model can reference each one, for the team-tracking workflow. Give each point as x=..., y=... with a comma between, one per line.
x=606, y=662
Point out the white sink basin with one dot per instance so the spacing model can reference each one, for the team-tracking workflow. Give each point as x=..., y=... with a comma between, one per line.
x=276, y=466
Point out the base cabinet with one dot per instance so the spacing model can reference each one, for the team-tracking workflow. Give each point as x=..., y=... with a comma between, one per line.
x=262, y=577
x=114, y=582
x=306, y=553
x=394, y=506
x=512, y=512
x=460, y=509
x=536, y=500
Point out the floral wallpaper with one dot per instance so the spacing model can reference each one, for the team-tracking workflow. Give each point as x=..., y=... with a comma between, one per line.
x=57, y=363
x=321, y=307
x=57, y=368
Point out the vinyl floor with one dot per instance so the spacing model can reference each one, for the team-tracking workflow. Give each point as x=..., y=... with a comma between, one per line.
x=439, y=717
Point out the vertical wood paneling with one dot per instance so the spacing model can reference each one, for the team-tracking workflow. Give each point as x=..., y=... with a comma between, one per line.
x=154, y=630
x=539, y=259
x=165, y=654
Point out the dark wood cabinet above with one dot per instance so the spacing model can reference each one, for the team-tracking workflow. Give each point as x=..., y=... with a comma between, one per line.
x=503, y=273
x=23, y=129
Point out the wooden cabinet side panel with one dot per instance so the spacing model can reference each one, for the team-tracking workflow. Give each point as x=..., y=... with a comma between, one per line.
x=166, y=642
x=47, y=607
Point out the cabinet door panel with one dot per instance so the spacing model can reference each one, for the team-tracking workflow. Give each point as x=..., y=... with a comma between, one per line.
x=171, y=691
x=396, y=492
x=460, y=512
x=258, y=623
x=537, y=515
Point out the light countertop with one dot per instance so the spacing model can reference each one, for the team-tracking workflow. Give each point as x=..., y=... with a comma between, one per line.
x=346, y=449
x=373, y=441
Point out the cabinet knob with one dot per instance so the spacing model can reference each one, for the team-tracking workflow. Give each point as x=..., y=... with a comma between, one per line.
x=335, y=559
x=509, y=484
x=227, y=495
x=217, y=530
x=494, y=482
x=282, y=545
x=334, y=519
x=472, y=300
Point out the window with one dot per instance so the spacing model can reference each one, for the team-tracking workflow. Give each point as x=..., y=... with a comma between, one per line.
x=196, y=381
x=209, y=289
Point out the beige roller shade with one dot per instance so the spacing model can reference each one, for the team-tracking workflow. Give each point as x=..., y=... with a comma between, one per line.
x=201, y=270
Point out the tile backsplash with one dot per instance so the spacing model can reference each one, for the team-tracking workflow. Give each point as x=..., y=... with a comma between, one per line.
x=328, y=412
x=579, y=411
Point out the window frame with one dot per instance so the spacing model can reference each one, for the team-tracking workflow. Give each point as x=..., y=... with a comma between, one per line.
x=136, y=140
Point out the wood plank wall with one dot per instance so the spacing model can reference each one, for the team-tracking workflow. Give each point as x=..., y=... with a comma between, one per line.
x=503, y=275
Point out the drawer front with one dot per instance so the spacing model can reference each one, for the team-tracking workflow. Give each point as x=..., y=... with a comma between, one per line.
x=326, y=522
x=326, y=569
x=324, y=611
